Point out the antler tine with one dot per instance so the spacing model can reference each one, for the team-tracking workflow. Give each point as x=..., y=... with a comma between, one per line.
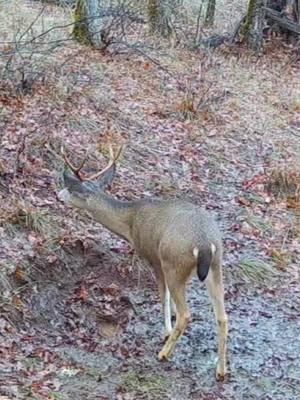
x=118, y=152
x=75, y=170
x=112, y=160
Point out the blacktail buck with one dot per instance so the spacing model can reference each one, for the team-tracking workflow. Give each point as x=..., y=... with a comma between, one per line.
x=176, y=237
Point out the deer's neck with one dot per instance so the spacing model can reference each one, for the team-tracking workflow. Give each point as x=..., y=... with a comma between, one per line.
x=113, y=214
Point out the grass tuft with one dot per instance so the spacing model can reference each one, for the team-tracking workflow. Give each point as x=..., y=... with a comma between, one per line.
x=284, y=180
x=31, y=218
x=257, y=271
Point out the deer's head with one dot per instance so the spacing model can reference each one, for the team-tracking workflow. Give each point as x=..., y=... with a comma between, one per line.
x=79, y=184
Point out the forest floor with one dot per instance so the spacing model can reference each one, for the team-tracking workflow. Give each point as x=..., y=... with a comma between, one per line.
x=80, y=316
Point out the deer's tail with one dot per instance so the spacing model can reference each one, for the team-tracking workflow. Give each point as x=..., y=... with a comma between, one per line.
x=204, y=258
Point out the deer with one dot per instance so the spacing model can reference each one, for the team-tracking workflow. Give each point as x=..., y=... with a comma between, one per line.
x=178, y=238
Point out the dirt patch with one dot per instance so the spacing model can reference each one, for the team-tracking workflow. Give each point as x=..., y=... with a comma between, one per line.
x=83, y=363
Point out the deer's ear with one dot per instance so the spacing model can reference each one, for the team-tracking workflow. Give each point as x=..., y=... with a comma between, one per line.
x=71, y=182
x=106, y=179
x=75, y=185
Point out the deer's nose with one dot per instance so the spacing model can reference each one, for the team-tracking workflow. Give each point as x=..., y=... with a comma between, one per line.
x=64, y=195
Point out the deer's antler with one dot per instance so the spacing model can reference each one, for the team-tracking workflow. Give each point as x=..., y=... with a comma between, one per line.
x=75, y=170
x=113, y=157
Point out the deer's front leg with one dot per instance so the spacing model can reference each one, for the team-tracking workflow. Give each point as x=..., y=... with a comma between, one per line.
x=167, y=313
x=165, y=299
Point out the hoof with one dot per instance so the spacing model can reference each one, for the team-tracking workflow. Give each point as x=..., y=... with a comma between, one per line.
x=162, y=356
x=221, y=374
x=220, y=377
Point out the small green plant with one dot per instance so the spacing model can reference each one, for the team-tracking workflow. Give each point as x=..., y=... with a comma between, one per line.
x=55, y=396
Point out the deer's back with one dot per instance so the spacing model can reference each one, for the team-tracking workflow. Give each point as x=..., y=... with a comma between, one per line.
x=172, y=229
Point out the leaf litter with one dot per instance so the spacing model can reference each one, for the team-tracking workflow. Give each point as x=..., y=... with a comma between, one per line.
x=79, y=318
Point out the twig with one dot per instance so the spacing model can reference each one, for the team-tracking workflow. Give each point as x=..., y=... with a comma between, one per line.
x=20, y=150
x=285, y=239
x=201, y=103
x=32, y=23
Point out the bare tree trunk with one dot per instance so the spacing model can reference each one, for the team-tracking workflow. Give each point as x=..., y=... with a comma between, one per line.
x=252, y=30
x=159, y=18
x=209, y=12
x=295, y=10
x=87, y=28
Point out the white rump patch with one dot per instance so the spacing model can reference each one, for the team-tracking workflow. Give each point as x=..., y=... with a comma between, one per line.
x=213, y=248
x=195, y=252
x=64, y=195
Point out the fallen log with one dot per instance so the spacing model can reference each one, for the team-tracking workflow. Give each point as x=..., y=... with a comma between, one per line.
x=282, y=21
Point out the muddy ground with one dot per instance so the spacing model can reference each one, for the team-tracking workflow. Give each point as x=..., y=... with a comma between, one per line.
x=80, y=353
x=80, y=317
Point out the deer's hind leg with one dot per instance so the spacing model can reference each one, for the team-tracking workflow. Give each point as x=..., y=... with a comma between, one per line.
x=177, y=287
x=214, y=283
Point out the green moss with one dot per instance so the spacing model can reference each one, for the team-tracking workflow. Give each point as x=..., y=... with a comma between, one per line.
x=210, y=13
x=153, y=15
x=80, y=31
x=158, y=19
x=245, y=29
x=152, y=385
